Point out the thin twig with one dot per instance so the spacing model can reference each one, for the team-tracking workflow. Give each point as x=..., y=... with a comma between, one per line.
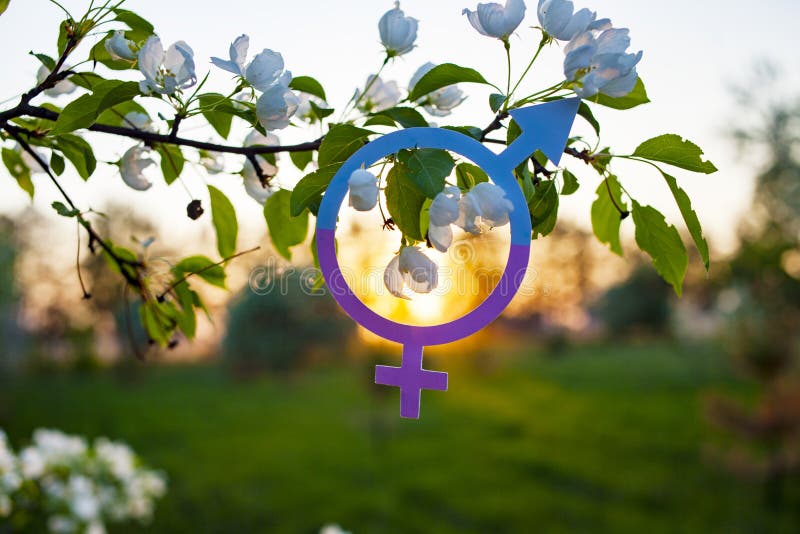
x=204, y=269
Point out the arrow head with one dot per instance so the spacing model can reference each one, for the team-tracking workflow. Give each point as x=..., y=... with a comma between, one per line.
x=546, y=126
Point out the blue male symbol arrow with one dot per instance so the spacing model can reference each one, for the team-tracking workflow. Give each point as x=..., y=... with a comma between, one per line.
x=545, y=127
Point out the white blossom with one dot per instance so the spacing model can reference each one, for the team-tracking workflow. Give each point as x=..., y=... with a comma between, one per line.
x=379, y=95
x=601, y=64
x=413, y=269
x=166, y=72
x=495, y=20
x=252, y=183
x=363, y=186
x=132, y=168
x=398, y=32
x=264, y=71
x=440, y=102
x=277, y=105
x=64, y=87
x=140, y=121
x=557, y=19
x=443, y=212
x=120, y=48
x=213, y=162
x=333, y=529
x=485, y=204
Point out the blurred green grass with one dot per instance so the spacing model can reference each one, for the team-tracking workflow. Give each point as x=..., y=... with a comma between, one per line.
x=600, y=439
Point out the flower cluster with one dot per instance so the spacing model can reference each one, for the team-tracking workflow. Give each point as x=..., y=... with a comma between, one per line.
x=81, y=488
x=265, y=73
x=165, y=72
x=485, y=206
x=596, y=55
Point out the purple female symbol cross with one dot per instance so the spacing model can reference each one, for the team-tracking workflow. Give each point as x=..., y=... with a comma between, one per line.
x=545, y=127
x=411, y=378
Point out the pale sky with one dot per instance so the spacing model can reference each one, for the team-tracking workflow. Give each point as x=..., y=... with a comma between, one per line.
x=693, y=51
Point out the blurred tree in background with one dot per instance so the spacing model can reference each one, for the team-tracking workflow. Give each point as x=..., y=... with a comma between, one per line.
x=763, y=297
x=283, y=327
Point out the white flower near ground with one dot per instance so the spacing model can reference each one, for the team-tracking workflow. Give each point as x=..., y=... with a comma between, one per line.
x=398, y=32
x=140, y=121
x=32, y=462
x=485, y=204
x=120, y=48
x=558, y=20
x=252, y=183
x=278, y=104
x=166, y=72
x=132, y=168
x=440, y=102
x=601, y=64
x=363, y=188
x=379, y=95
x=82, y=487
x=333, y=529
x=64, y=87
x=10, y=479
x=495, y=20
x=443, y=212
x=413, y=269
x=117, y=456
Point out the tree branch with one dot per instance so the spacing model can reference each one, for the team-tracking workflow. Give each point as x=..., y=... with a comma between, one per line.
x=94, y=237
x=150, y=137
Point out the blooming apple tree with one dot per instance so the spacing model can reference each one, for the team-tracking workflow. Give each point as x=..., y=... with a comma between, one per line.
x=426, y=192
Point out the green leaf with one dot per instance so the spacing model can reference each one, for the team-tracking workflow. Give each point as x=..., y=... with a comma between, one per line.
x=496, y=101
x=116, y=116
x=87, y=80
x=210, y=104
x=302, y=159
x=674, y=150
x=586, y=112
x=84, y=111
x=56, y=163
x=570, y=183
x=4, y=6
x=308, y=191
x=63, y=37
x=544, y=208
x=64, y=211
x=427, y=168
x=663, y=243
x=405, y=117
x=309, y=85
x=158, y=320
x=380, y=120
x=18, y=170
x=690, y=217
x=341, y=142
x=637, y=97
x=320, y=112
x=285, y=230
x=469, y=175
x=79, y=152
x=187, y=320
x=404, y=201
x=442, y=76
x=204, y=268
x=224, y=218
x=606, y=219
x=140, y=29
x=172, y=161
x=46, y=60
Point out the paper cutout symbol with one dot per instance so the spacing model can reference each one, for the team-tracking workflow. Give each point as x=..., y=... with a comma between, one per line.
x=544, y=127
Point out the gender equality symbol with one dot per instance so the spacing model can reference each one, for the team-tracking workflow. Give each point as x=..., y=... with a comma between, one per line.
x=544, y=127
